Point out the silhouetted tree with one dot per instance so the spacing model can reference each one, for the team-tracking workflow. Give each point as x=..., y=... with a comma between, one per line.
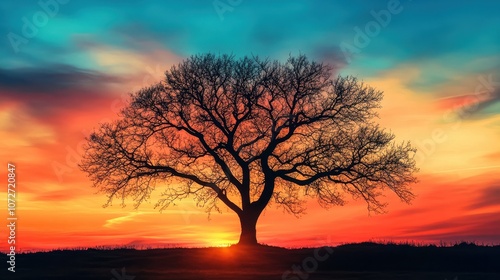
x=247, y=132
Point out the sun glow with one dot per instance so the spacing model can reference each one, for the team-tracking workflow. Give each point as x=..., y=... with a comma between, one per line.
x=220, y=240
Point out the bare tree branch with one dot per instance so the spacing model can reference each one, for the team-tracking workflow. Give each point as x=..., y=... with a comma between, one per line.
x=247, y=132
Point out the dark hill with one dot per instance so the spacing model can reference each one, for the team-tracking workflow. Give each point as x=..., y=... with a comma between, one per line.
x=354, y=261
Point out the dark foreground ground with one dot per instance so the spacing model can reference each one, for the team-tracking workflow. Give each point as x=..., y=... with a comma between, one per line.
x=357, y=261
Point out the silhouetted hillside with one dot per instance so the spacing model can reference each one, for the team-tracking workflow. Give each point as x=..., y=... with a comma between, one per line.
x=354, y=261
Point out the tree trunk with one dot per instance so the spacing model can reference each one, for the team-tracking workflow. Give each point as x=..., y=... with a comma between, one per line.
x=248, y=221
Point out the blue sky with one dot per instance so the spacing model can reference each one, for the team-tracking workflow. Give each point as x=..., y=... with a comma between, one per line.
x=451, y=32
x=444, y=39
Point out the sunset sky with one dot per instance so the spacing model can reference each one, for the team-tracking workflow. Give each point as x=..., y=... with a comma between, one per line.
x=67, y=66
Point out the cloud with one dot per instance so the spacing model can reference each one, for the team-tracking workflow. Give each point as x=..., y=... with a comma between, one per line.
x=116, y=221
x=495, y=156
x=331, y=55
x=466, y=225
x=471, y=105
x=53, y=80
x=141, y=36
x=22, y=130
x=46, y=93
x=489, y=197
x=477, y=227
x=58, y=196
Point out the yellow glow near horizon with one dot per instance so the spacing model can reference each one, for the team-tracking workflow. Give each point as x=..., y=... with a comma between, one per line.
x=221, y=239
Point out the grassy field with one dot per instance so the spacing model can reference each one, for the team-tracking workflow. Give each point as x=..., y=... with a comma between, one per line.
x=355, y=261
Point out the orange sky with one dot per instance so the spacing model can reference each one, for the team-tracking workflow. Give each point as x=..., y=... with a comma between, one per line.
x=457, y=196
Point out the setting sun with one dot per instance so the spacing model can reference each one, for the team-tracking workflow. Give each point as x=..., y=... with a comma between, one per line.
x=220, y=240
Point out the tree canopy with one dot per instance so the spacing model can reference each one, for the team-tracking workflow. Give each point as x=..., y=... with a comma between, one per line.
x=247, y=132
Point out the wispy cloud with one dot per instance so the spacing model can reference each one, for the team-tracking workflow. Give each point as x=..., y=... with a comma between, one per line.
x=120, y=220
